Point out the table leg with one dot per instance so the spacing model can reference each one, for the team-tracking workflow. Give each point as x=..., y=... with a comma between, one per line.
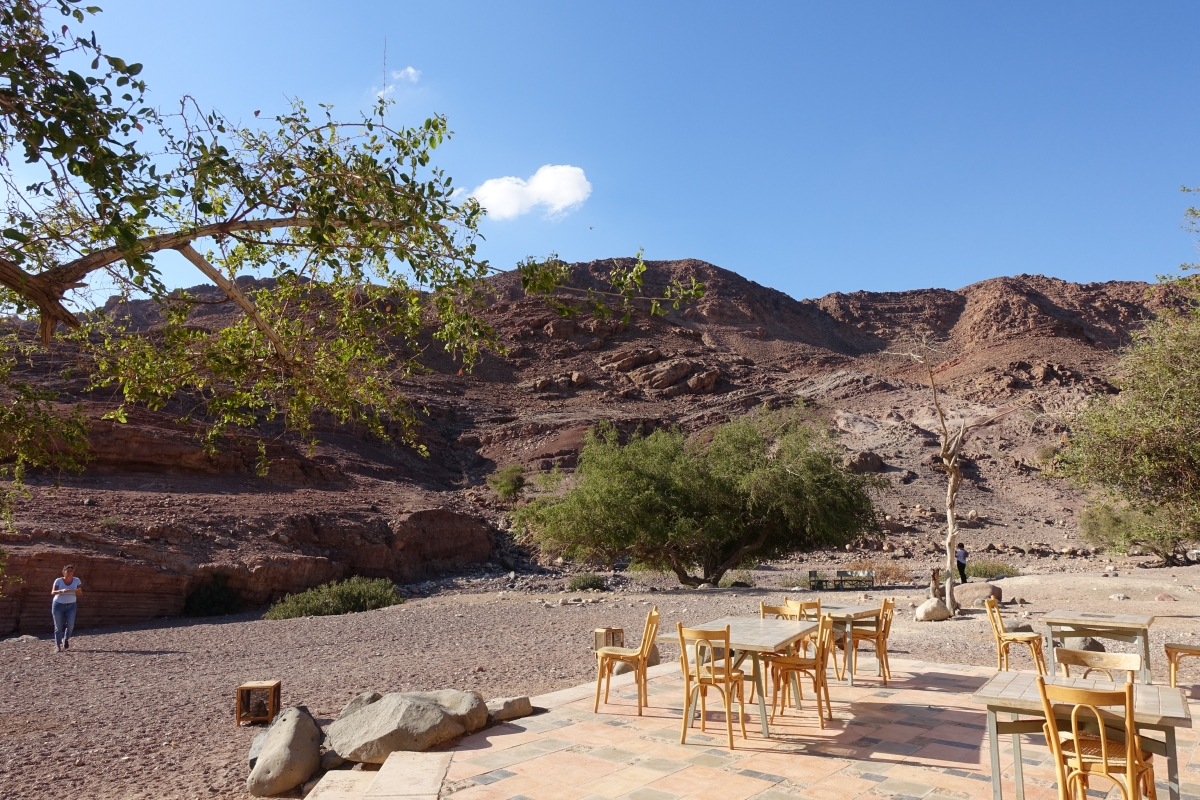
x=1051, y=665
x=1172, y=763
x=994, y=753
x=1018, y=772
x=1144, y=640
x=762, y=694
x=848, y=640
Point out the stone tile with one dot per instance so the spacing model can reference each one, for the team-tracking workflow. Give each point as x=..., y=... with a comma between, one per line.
x=568, y=769
x=649, y=794
x=523, y=752
x=613, y=754
x=493, y=776
x=620, y=782
x=893, y=786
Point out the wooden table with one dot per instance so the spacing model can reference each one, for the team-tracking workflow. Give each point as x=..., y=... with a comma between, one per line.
x=1155, y=708
x=751, y=636
x=845, y=616
x=1120, y=627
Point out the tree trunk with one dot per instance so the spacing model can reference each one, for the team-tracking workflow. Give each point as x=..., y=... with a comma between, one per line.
x=955, y=479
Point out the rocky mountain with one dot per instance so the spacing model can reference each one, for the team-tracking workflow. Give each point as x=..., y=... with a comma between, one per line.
x=153, y=517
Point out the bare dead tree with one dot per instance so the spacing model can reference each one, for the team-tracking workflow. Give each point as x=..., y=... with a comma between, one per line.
x=952, y=440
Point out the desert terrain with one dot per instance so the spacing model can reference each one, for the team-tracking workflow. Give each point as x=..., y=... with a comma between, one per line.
x=142, y=706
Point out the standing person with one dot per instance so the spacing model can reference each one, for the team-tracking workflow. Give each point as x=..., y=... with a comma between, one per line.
x=66, y=593
x=960, y=555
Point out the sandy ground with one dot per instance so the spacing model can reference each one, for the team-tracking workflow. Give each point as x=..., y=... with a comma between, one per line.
x=147, y=711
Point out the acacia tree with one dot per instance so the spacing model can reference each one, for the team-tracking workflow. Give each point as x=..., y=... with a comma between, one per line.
x=765, y=485
x=951, y=439
x=356, y=243
x=1141, y=447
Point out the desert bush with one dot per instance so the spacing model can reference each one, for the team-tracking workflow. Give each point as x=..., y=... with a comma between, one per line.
x=213, y=599
x=1046, y=453
x=338, y=597
x=763, y=485
x=1118, y=529
x=509, y=482
x=585, y=581
x=988, y=568
x=886, y=570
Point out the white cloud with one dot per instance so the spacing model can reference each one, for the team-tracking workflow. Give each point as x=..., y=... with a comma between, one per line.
x=407, y=74
x=391, y=87
x=559, y=188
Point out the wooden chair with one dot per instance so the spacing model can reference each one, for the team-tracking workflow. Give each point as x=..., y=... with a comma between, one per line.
x=708, y=672
x=806, y=611
x=1085, y=754
x=875, y=631
x=1005, y=639
x=1175, y=652
x=783, y=668
x=1102, y=662
x=637, y=657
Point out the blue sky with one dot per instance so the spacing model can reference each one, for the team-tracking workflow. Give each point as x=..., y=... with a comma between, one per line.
x=812, y=148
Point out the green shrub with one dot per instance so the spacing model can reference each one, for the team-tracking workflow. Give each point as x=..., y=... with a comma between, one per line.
x=1046, y=453
x=213, y=599
x=584, y=581
x=338, y=597
x=988, y=568
x=509, y=482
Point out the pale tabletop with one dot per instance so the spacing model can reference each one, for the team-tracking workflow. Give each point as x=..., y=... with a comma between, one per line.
x=752, y=634
x=843, y=613
x=1152, y=704
x=1094, y=620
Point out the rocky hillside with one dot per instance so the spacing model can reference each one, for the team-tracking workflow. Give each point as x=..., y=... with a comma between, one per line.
x=154, y=517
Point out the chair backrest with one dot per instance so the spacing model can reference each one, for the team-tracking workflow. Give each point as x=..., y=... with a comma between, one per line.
x=824, y=644
x=707, y=646
x=1102, y=662
x=807, y=610
x=993, y=612
x=1086, y=718
x=886, y=611
x=775, y=612
x=648, y=633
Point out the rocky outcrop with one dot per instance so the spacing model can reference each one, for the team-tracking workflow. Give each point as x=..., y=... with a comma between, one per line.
x=660, y=376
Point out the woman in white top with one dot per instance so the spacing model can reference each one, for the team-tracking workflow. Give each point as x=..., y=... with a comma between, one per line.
x=66, y=592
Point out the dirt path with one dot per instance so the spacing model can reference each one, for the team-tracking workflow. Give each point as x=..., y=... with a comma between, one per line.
x=147, y=711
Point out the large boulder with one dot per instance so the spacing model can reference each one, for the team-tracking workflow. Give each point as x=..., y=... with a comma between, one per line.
x=289, y=754
x=864, y=461
x=968, y=594
x=412, y=721
x=932, y=610
x=1082, y=643
x=359, y=702
x=704, y=382
x=505, y=708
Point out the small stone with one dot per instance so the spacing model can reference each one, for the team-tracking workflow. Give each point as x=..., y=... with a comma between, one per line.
x=932, y=610
x=506, y=708
x=1021, y=601
x=1164, y=598
x=1118, y=596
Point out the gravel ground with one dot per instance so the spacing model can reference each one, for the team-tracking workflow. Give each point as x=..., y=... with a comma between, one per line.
x=147, y=711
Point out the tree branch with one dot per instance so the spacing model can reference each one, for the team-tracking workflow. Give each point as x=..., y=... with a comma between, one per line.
x=234, y=293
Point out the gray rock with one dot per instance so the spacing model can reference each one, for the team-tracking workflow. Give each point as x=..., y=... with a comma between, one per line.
x=864, y=461
x=1118, y=596
x=331, y=760
x=652, y=660
x=1019, y=627
x=359, y=702
x=932, y=610
x=704, y=382
x=290, y=754
x=1082, y=643
x=256, y=746
x=505, y=708
x=413, y=721
x=22, y=639
x=967, y=594
x=660, y=376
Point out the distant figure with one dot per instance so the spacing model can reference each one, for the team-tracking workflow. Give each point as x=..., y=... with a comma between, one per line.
x=66, y=593
x=960, y=555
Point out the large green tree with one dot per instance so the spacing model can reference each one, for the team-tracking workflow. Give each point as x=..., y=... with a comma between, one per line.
x=1141, y=448
x=356, y=245
x=763, y=485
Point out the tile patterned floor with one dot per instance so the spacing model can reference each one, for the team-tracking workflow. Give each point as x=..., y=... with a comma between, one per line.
x=920, y=737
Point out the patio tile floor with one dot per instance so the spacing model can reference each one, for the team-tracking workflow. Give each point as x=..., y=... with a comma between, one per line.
x=921, y=738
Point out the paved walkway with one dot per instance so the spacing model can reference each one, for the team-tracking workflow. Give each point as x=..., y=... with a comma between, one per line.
x=920, y=737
